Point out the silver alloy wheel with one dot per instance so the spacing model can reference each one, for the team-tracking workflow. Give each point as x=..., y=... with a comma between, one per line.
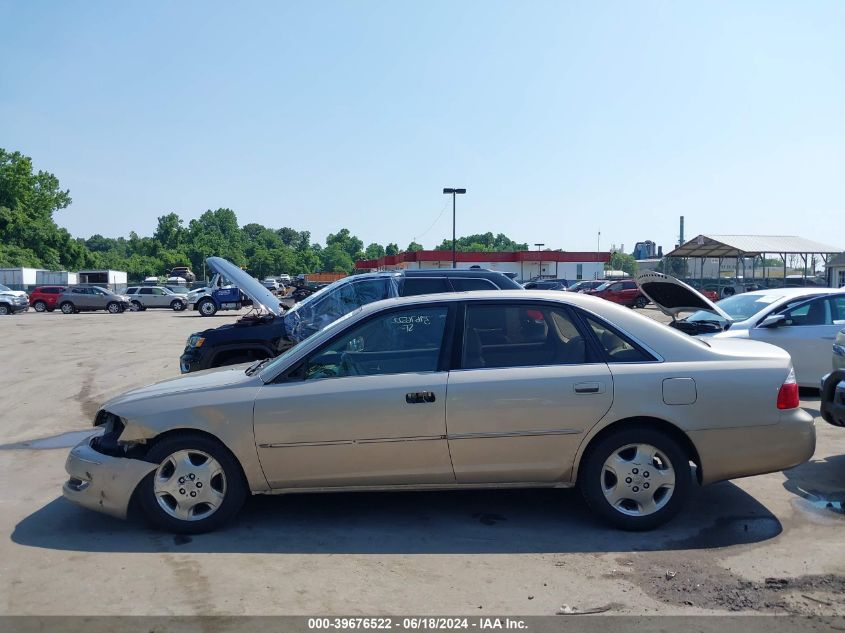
x=4, y=310
x=177, y=306
x=190, y=485
x=207, y=308
x=67, y=308
x=637, y=480
x=113, y=307
x=40, y=306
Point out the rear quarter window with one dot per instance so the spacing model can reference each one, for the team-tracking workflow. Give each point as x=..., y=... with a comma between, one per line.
x=423, y=286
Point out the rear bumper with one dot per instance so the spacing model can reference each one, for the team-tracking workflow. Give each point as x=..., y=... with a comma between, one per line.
x=101, y=482
x=755, y=450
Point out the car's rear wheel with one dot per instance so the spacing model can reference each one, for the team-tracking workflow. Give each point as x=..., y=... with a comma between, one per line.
x=114, y=307
x=636, y=478
x=40, y=306
x=177, y=305
x=138, y=305
x=207, y=307
x=197, y=486
x=67, y=308
x=641, y=302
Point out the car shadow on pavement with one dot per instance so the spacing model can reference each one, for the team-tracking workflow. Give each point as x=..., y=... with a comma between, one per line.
x=820, y=484
x=460, y=522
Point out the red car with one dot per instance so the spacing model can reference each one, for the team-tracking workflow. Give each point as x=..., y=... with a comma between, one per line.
x=43, y=298
x=624, y=292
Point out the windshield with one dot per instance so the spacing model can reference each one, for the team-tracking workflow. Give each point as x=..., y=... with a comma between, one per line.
x=281, y=358
x=325, y=306
x=322, y=291
x=739, y=307
x=4, y=288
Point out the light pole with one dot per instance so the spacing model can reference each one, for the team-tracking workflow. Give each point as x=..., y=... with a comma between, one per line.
x=539, y=263
x=453, y=191
x=598, y=250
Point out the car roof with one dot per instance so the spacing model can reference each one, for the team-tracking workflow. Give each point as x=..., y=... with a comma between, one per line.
x=790, y=292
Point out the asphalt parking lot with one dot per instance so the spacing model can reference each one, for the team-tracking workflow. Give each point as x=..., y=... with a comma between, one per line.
x=767, y=544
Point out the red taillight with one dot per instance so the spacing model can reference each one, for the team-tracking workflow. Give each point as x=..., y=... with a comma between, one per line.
x=788, y=393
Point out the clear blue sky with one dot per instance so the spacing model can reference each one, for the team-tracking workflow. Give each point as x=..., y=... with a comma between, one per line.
x=561, y=118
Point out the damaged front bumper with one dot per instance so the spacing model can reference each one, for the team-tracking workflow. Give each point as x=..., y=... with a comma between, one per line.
x=102, y=482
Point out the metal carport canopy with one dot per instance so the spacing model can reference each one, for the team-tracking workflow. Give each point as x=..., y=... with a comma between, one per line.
x=751, y=246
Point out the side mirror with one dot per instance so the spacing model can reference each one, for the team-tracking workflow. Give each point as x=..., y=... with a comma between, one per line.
x=773, y=320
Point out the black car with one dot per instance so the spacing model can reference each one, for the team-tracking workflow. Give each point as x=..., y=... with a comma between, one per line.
x=547, y=284
x=260, y=336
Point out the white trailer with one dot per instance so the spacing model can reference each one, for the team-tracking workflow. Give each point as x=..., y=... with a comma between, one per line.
x=18, y=278
x=55, y=278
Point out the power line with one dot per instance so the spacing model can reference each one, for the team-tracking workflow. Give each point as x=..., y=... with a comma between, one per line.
x=439, y=215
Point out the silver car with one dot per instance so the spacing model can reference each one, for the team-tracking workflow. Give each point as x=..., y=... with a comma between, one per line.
x=87, y=298
x=144, y=297
x=458, y=390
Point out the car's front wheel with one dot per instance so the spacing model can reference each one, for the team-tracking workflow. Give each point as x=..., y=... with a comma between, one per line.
x=114, y=307
x=177, y=305
x=636, y=478
x=197, y=486
x=40, y=306
x=4, y=309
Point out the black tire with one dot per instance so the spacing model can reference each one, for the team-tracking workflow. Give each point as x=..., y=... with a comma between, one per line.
x=138, y=306
x=207, y=307
x=114, y=307
x=40, y=306
x=177, y=305
x=67, y=308
x=235, y=484
x=591, y=477
x=4, y=309
x=641, y=302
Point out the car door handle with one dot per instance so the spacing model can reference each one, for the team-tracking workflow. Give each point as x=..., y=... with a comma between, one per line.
x=420, y=397
x=589, y=387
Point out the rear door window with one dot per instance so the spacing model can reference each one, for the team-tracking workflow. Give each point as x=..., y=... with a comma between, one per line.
x=520, y=335
x=424, y=286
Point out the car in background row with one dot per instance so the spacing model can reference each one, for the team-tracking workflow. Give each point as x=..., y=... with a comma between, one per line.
x=545, y=390
x=803, y=321
x=44, y=298
x=588, y=284
x=624, y=292
x=271, y=284
x=547, y=284
x=143, y=297
x=12, y=301
x=90, y=298
x=274, y=330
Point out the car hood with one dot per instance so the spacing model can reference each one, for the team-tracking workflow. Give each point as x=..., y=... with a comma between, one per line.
x=248, y=284
x=196, y=382
x=672, y=296
x=12, y=293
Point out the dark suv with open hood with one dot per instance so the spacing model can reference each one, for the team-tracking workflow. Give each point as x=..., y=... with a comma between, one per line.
x=271, y=330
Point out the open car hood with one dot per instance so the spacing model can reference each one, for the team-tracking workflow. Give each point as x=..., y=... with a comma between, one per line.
x=673, y=296
x=248, y=284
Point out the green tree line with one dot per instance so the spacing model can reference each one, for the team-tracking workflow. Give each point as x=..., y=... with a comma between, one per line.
x=29, y=236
